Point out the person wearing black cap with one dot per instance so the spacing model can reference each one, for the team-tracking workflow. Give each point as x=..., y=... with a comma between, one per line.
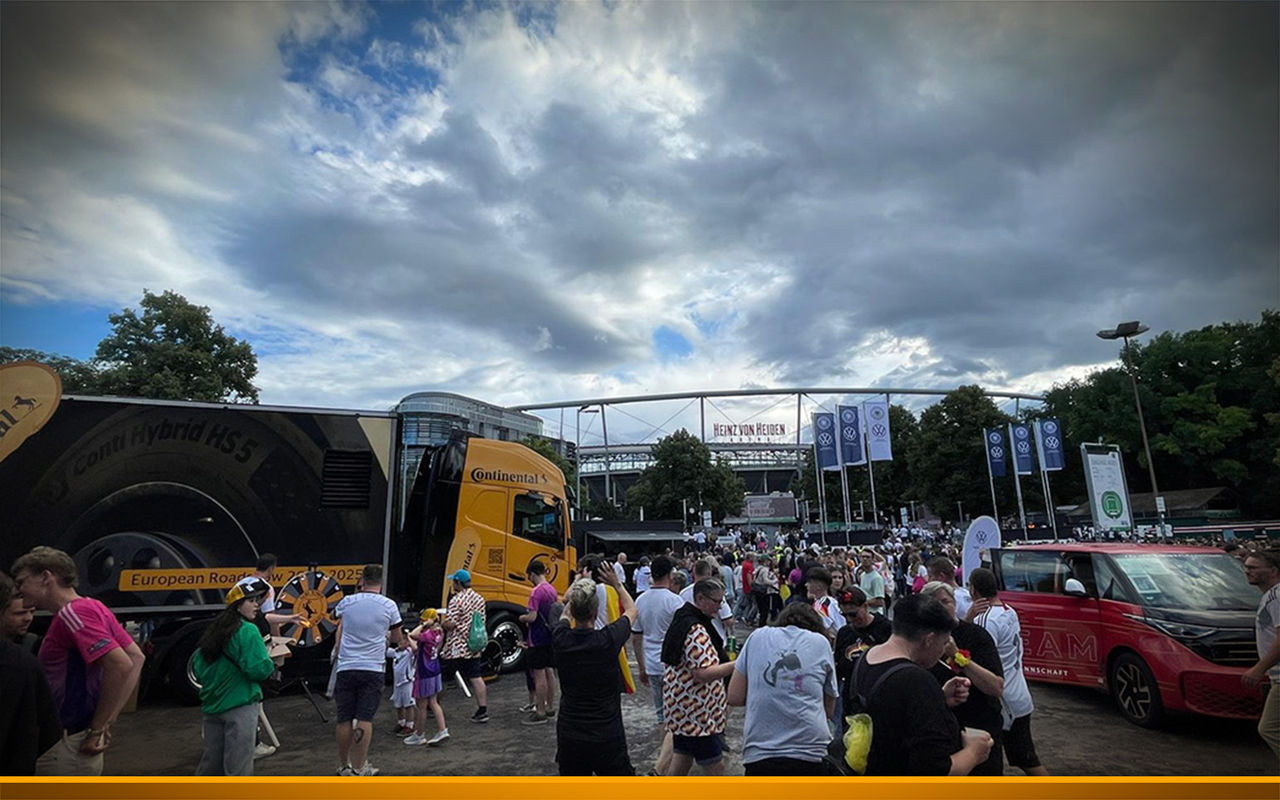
x=230, y=664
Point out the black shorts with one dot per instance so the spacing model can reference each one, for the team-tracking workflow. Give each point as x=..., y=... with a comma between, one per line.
x=1019, y=750
x=466, y=667
x=786, y=767
x=593, y=758
x=538, y=657
x=704, y=749
x=357, y=694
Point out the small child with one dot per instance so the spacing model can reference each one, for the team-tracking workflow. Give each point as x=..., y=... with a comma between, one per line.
x=428, y=683
x=402, y=686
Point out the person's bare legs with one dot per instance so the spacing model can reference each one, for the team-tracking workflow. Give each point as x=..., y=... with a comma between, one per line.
x=540, y=703
x=420, y=714
x=663, y=767
x=343, y=733
x=361, y=738
x=481, y=691
x=715, y=769
x=437, y=711
x=680, y=764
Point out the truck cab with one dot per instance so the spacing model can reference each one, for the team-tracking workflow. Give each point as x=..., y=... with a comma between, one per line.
x=491, y=508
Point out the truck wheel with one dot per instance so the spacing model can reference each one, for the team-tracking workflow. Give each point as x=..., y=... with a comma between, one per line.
x=1135, y=691
x=507, y=631
x=179, y=672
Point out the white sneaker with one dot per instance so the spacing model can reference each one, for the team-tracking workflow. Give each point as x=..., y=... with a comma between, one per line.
x=366, y=771
x=262, y=750
x=345, y=771
x=439, y=737
x=415, y=739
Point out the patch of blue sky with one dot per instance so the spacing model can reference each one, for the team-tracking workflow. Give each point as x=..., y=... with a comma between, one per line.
x=69, y=329
x=670, y=344
x=710, y=327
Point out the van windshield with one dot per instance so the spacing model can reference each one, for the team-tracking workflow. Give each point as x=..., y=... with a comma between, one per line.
x=1194, y=581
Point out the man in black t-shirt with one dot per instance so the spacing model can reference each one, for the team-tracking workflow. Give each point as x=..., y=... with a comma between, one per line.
x=913, y=729
x=863, y=631
x=983, y=669
x=29, y=722
x=590, y=738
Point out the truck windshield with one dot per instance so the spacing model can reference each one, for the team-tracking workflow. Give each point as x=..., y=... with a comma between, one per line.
x=1195, y=581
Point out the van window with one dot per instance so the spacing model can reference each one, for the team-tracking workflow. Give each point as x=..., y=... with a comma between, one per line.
x=1198, y=581
x=1110, y=585
x=1032, y=571
x=538, y=519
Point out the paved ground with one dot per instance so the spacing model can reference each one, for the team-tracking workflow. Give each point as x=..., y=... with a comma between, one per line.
x=1077, y=731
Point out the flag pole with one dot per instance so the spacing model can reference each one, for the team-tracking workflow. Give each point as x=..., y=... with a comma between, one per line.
x=991, y=481
x=822, y=487
x=1017, y=484
x=871, y=475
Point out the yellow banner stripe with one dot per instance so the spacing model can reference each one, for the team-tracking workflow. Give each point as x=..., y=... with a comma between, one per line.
x=168, y=580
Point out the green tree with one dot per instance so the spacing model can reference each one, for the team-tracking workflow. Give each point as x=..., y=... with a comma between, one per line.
x=947, y=458
x=545, y=448
x=683, y=470
x=173, y=350
x=78, y=377
x=1210, y=401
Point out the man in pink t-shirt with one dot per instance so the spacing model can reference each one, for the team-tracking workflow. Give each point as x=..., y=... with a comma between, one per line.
x=92, y=664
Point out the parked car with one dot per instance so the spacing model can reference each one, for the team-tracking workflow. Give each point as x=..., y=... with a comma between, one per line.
x=1162, y=627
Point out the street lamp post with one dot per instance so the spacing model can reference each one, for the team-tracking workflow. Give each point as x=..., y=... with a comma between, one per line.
x=960, y=511
x=577, y=455
x=1123, y=331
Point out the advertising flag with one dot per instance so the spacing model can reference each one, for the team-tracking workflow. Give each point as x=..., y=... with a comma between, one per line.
x=1108, y=490
x=1020, y=436
x=824, y=440
x=852, y=453
x=1049, y=444
x=876, y=413
x=994, y=439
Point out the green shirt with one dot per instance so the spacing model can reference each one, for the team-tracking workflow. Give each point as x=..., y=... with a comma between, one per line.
x=233, y=680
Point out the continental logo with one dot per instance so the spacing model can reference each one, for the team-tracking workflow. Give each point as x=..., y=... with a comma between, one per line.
x=479, y=475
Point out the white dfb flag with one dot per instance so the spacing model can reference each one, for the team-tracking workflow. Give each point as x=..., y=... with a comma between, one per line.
x=876, y=414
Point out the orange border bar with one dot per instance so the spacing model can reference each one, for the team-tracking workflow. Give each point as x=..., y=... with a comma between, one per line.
x=473, y=788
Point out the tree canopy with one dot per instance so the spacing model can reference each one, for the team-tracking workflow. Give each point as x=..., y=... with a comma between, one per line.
x=173, y=350
x=682, y=469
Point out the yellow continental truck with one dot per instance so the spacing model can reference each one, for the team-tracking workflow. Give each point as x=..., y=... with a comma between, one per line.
x=164, y=505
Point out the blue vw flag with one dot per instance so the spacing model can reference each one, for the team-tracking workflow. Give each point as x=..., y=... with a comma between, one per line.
x=994, y=442
x=851, y=452
x=824, y=440
x=1020, y=437
x=1049, y=444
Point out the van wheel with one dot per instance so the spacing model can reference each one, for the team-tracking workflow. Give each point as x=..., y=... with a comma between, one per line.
x=507, y=631
x=1135, y=691
x=179, y=672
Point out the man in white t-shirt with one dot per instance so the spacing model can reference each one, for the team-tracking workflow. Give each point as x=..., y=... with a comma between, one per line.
x=1262, y=569
x=654, y=610
x=620, y=568
x=1002, y=623
x=642, y=576
x=817, y=582
x=941, y=568
x=871, y=582
x=364, y=620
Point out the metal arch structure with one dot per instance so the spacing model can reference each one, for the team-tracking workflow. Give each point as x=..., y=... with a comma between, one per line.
x=621, y=464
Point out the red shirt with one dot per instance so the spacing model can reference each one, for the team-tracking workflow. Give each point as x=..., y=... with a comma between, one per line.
x=748, y=574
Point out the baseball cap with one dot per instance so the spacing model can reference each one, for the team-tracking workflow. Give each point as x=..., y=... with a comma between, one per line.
x=461, y=576
x=247, y=590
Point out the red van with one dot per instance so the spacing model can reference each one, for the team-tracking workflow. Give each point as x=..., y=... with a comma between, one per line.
x=1162, y=627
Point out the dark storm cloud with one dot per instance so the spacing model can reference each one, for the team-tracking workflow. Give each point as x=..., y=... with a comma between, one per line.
x=1083, y=164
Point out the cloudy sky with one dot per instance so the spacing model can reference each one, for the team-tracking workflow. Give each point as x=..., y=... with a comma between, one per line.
x=538, y=202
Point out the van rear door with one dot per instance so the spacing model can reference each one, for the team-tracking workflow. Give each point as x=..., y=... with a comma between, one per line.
x=1060, y=632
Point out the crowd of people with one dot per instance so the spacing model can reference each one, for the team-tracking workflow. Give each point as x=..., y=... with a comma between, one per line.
x=881, y=636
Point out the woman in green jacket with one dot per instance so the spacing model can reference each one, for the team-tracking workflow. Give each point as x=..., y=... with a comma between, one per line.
x=230, y=663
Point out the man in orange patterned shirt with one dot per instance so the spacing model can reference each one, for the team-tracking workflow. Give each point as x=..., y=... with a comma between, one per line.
x=695, y=667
